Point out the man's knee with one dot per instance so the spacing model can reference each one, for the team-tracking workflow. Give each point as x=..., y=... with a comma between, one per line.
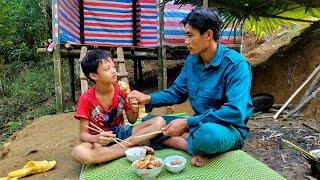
x=81, y=155
x=210, y=139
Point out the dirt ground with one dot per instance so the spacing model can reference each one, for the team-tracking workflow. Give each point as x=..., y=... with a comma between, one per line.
x=53, y=138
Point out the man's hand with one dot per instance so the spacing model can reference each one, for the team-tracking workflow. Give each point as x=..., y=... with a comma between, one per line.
x=105, y=137
x=140, y=97
x=176, y=127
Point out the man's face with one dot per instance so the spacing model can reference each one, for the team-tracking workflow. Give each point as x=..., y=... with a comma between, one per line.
x=196, y=42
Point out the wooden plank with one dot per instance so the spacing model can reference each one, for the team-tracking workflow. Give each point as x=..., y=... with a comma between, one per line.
x=83, y=80
x=123, y=74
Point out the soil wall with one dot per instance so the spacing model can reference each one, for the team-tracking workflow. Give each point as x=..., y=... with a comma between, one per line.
x=287, y=69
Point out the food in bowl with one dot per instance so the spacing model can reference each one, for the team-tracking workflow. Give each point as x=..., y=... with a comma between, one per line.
x=148, y=167
x=149, y=162
x=135, y=153
x=175, y=164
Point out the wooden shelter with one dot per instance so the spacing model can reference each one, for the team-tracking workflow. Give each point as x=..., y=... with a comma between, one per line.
x=131, y=29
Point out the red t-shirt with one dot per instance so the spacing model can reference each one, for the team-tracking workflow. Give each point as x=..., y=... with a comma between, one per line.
x=90, y=108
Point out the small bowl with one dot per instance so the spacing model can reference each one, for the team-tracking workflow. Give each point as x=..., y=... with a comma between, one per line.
x=175, y=164
x=315, y=165
x=148, y=173
x=135, y=153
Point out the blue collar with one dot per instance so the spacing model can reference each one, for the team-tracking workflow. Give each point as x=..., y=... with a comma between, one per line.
x=216, y=60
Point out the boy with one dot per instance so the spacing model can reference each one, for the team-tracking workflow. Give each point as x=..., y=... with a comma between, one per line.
x=103, y=105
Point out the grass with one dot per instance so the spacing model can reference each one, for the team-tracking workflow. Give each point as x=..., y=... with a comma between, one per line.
x=28, y=93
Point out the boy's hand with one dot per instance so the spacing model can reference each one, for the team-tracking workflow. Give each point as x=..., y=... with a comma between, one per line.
x=135, y=105
x=106, y=137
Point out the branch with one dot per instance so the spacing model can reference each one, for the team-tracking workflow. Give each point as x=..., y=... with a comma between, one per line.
x=311, y=88
x=300, y=106
x=285, y=18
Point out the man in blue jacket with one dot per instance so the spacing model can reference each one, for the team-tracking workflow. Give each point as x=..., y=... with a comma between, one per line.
x=217, y=80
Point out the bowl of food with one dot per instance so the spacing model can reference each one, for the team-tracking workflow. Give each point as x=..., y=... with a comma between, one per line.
x=135, y=153
x=148, y=167
x=175, y=164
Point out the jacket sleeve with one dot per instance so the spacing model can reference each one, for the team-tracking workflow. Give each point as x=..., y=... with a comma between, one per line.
x=176, y=94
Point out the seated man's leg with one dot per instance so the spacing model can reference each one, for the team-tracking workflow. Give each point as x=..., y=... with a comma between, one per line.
x=211, y=138
x=178, y=142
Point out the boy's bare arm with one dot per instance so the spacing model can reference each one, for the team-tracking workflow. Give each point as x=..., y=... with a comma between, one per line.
x=85, y=136
x=133, y=114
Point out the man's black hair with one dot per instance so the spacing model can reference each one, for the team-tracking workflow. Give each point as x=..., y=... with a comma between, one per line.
x=91, y=61
x=204, y=19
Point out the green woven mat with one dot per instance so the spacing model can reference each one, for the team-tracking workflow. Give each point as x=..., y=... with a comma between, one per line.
x=231, y=165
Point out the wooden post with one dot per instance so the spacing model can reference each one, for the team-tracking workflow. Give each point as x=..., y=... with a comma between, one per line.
x=57, y=56
x=162, y=66
x=71, y=73
x=122, y=67
x=83, y=79
x=205, y=3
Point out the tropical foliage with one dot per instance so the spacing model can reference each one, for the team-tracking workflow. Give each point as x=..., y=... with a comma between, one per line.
x=263, y=16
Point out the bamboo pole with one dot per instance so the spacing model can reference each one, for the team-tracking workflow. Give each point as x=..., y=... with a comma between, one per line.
x=314, y=72
x=162, y=67
x=57, y=57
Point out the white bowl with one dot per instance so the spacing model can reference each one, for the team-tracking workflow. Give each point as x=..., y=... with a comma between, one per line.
x=172, y=167
x=148, y=173
x=135, y=153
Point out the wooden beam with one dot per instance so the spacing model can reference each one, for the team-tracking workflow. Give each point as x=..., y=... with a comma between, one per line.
x=139, y=54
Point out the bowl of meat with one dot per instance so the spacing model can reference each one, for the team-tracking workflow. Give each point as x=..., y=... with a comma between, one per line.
x=148, y=167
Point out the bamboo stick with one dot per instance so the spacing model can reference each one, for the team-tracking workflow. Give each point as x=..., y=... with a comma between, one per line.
x=314, y=72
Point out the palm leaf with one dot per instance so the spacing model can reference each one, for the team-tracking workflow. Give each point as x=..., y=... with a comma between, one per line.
x=264, y=16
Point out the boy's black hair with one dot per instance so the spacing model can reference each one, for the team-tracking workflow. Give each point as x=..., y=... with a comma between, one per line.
x=91, y=61
x=204, y=19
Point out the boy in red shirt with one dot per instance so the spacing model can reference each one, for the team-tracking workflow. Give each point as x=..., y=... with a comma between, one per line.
x=103, y=105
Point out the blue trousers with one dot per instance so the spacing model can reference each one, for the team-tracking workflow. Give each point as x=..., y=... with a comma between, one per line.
x=206, y=138
x=211, y=138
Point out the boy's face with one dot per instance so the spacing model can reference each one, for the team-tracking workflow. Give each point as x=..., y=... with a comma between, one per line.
x=196, y=42
x=106, y=73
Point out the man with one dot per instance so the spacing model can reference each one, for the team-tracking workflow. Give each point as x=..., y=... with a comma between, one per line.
x=217, y=81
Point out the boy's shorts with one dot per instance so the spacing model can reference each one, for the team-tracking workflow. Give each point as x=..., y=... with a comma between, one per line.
x=121, y=132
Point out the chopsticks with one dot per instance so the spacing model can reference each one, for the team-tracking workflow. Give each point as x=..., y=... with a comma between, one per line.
x=148, y=134
x=115, y=139
x=297, y=148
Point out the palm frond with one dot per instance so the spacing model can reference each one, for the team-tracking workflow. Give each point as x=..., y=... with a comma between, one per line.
x=263, y=16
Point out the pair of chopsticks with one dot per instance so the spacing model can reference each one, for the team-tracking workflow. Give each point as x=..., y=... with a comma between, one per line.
x=99, y=130
x=148, y=134
x=297, y=148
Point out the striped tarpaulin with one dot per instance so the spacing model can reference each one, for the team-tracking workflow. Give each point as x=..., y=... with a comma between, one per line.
x=69, y=20
x=149, y=23
x=108, y=22
x=174, y=31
